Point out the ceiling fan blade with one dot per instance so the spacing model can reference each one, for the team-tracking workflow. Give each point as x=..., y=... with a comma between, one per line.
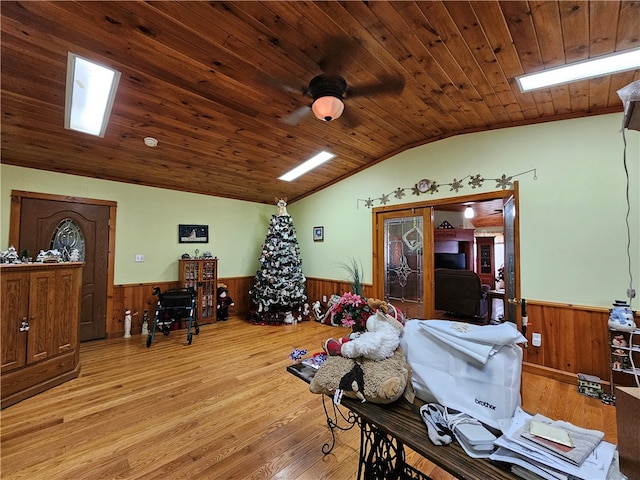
x=335, y=50
x=348, y=118
x=277, y=84
x=386, y=85
x=295, y=117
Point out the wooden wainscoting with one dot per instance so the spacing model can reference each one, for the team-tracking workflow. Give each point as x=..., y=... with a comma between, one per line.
x=317, y=287
x=574, y=338
x=137, y=298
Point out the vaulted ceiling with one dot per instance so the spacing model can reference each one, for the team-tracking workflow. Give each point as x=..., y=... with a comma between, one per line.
x=221, y=84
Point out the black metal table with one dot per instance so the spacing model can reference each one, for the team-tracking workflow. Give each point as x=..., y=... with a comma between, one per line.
x=384, y=432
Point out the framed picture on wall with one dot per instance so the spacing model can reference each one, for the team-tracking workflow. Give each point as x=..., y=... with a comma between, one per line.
x=193, y=233
x=318, y=234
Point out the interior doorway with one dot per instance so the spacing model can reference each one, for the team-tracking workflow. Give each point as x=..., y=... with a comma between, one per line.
x=42, y=222
x=404, y=217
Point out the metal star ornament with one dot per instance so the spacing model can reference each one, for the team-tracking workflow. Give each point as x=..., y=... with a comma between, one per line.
x=504, y=182
x=456, y=185
x=476, y=181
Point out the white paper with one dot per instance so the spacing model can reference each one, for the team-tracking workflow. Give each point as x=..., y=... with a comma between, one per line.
x=595, y=467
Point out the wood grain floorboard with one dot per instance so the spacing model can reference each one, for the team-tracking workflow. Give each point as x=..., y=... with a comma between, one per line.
x=221, y=408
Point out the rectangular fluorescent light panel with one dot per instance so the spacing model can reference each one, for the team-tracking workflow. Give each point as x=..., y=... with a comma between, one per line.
x=596, y=67
x=91, y=89
x=310, y=164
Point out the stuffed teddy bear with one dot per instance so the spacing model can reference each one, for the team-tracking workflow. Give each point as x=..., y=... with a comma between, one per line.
x=224, y=302
x=376, y=381
x=377, y=342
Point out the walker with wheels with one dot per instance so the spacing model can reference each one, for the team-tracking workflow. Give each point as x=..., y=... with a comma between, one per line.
x=174, y=305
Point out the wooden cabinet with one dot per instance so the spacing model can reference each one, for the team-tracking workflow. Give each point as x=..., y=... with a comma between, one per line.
x=202, y=274
x=455, y=240
x=627, y=407
x=485, y=261
x=39, y=326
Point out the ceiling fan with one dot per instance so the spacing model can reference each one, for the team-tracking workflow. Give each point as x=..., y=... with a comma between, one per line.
x=329, y=90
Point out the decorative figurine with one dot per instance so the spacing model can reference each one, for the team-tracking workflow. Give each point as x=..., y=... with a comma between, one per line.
x=290, y=319
x=317, y=311
x=145, y=323
x=282, y=206
x=306, y=312
x=621, y=317
x=127, y=323
x=619, y=341
x=224, y=302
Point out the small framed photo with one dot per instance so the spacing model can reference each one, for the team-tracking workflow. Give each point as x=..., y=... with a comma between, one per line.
x=318, y=234
x=193, y=233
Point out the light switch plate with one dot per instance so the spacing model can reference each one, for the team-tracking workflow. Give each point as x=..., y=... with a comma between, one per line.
x=536, y=339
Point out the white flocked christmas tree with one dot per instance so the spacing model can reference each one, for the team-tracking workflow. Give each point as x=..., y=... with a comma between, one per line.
x=279, y=286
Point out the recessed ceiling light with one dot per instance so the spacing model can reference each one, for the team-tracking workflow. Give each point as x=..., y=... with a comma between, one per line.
x=150, y=142
x=90, y=92
x=595, y=67
x=310, y=164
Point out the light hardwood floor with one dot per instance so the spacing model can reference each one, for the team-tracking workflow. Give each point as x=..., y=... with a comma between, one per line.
x=221, y=408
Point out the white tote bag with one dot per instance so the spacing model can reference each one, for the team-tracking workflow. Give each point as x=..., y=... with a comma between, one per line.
x=471, y=368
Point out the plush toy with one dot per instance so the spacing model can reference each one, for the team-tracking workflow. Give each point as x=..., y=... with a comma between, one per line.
x=377, y=342
x=384, y=381
x=353, y=381
x=224, y=302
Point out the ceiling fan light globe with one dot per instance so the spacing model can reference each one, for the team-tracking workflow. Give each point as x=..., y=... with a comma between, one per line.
x=327, y=108
x=469, y=213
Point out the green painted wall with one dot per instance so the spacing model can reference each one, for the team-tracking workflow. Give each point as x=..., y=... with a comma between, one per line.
x=573, y=234
x=572, y=218
x=147, y=223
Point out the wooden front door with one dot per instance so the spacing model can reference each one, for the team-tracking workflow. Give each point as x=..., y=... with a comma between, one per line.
x=39, y=221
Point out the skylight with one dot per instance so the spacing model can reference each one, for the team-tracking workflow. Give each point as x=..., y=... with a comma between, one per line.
x=310, y=164
x=595, y=67
x=91, y=89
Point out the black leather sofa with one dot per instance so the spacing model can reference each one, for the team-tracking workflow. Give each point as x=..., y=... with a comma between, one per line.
x=460, y=293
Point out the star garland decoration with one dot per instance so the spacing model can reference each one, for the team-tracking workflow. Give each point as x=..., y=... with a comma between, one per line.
x=475, y=181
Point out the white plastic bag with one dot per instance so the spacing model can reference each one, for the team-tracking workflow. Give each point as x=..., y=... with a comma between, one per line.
x=471, y=368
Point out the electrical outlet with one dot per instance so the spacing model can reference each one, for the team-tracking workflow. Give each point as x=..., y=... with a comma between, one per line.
x=536, y=339
x=324, y=299
x=139, y=257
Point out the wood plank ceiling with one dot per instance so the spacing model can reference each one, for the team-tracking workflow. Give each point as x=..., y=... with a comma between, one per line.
x=215, y=83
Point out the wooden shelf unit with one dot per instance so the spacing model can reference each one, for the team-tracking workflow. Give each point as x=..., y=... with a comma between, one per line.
x=202, y=275
x=485, y=267
x=622, y=371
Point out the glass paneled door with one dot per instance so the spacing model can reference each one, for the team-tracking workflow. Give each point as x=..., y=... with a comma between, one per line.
x=403, y=264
